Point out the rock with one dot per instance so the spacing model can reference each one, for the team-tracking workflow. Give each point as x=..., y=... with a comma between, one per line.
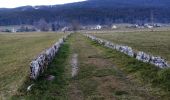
x=143, y=57
x=29, y=87
x=35, y=68
x=126, y=50
x=130, y=52
x=158, y=61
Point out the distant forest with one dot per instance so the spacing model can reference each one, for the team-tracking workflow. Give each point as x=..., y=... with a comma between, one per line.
x=90, y=12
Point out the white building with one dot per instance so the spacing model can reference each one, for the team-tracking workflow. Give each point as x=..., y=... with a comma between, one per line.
x=13, y=30
x=148, y=26
x=114, y=27
x=97, y=27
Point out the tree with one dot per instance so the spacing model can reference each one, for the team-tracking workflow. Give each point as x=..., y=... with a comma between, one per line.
x=75, y=26
x=53, y=27
x=43, y=25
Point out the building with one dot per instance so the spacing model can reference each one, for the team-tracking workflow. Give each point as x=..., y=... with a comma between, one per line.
x=114, y=27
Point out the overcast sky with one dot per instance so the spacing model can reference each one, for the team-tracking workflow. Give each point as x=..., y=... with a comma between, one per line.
x=17, y=3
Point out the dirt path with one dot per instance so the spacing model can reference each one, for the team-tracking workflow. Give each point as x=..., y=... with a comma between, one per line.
x=74, y=92
x=74, y=65
x=98, y=77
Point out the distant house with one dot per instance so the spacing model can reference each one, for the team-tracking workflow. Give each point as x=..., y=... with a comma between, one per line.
x=38, y=30
x=92, y=27
x=133, y=26
x=157, y=25
x=114, y=27
x=13, y=30
x=148, y=26
x=25, y=29
x=96, y=27
x=136, y=26
x=6, y=30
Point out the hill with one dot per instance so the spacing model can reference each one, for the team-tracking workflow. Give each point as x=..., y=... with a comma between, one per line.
x=90, y=12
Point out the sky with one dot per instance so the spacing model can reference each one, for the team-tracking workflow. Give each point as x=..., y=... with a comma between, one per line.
x=17, y=3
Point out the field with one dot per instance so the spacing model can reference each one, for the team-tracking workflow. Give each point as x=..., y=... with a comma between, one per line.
x=156, y=43
x=16, y=52
x=103, y=74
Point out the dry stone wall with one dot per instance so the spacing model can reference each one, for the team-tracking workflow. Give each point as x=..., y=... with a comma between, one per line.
x=139, y=55
x=40, y=63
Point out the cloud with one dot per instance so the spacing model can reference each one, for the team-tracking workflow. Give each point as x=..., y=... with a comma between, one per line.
x=17, y=3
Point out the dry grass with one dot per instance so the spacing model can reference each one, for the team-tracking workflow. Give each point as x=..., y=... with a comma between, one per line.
x=156, y=43
x=99, y=76
x=16, y=52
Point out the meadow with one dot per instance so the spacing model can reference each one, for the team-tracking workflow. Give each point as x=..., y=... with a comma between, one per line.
x=156, y=43
x=16, y=52
x=103, y=74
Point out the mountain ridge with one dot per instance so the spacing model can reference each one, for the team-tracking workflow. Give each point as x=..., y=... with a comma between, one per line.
x=90, y=12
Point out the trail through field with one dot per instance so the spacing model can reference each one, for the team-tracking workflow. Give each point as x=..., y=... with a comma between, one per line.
x=75, y=93
x=74, y=65
x=84, y=70
x=98, y=77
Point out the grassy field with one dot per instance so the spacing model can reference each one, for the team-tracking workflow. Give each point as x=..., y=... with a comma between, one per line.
x=16, y=52
x=103, y=74
x=156, y=43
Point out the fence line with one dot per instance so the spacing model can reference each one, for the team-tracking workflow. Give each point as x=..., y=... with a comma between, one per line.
x=41, y=62
x=139, y=55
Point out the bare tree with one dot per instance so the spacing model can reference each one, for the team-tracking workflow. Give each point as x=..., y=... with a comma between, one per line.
x=75, y=26
x=53, y=27
x=43, y=25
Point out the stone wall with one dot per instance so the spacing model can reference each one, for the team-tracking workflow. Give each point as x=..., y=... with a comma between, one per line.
x=40, y=63
x=139, y=55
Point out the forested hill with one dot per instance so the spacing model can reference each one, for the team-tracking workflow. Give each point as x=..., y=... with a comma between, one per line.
x=90, y=12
